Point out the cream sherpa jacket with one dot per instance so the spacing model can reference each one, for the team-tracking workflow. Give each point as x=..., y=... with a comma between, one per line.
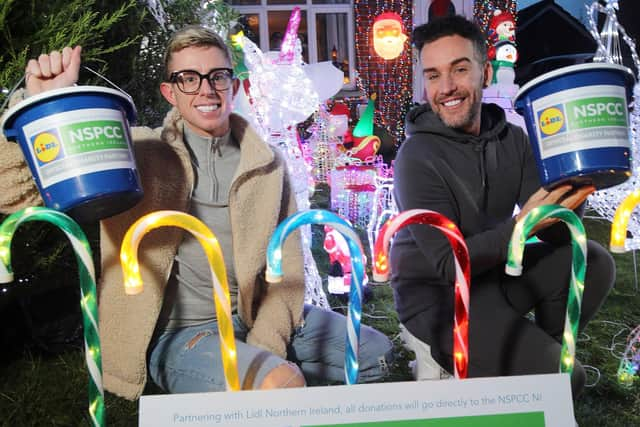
x=260, y=198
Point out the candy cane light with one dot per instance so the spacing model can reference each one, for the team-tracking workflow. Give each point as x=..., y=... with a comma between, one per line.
x=133, y=280
x=621, y=221
x=88, y=298
x=462, y=266
x=578, y=268
x=274, y=273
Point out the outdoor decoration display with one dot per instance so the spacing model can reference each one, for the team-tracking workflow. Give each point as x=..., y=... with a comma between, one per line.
x=133, y=280
x=388, y=35
x=88, y=300
x=462, y=280
x=630, y=361
x=503, y=54
x=339, y=277
x=275, y=114
x=578, y=268
x=390, y=79
x=629, y=367
x=352, y=191
x=605, y=201
x=621, y=221
x=365, y=143
x=383, y=208
x=354, y=315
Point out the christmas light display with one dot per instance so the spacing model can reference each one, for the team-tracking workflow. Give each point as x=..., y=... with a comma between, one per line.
x=484, y=11
x=462, y=267
x=390, y=79
x=621, y=222
x=388, y=35
x=384, y=206
x=578, y=267
x=276, y=114
x=630, y=363
x=605, y=201
x=133, y=280
x=354, y=315
x=88, y=295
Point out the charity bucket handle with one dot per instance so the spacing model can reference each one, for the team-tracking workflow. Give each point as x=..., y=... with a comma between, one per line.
x=17, y=85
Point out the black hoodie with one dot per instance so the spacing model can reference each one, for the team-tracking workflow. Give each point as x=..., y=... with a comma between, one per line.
x=475, y=181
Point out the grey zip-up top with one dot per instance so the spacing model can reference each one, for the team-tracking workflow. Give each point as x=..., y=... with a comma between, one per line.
x=475, y=181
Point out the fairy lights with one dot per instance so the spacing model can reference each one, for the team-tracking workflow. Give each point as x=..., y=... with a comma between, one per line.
x=390, y=79
x=578, y=268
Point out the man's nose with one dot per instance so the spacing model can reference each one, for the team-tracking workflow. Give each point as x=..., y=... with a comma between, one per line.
x=207, y=87
x=447, y=84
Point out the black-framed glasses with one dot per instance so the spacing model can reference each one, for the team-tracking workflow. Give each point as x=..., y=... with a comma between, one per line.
x=189, y=81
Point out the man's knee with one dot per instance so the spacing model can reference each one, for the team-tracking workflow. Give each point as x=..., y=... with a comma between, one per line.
x=601, y=267
x=287, y=375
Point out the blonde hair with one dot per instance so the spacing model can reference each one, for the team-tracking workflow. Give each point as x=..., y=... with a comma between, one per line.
x=193, y=35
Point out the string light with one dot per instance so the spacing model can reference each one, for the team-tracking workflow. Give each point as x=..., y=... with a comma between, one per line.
x=605, y=201
x=133, y=281
x=578, y=268
x=462, y=266
x=88, y=295
x=274, y=273
x=389, y=79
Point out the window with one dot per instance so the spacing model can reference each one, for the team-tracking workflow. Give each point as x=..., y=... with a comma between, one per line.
x=326, y=29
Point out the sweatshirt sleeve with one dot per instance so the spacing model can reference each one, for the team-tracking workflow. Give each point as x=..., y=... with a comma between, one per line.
x=419, y=185
x=17, y=188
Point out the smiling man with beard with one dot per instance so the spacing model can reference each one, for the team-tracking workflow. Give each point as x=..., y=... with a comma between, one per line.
x=465, y=161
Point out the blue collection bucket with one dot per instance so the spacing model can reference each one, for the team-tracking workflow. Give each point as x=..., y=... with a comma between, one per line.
x=77, y=142
x=578, y=124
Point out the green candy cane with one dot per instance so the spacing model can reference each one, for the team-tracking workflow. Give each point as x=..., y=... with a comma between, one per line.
x=578, y=268
x=88, y=301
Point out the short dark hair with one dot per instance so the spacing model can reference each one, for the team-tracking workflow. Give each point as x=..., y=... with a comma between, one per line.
x=451, y=26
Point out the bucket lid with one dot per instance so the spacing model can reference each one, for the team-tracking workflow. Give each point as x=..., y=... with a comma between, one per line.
x=591, y=66
x=11, y=113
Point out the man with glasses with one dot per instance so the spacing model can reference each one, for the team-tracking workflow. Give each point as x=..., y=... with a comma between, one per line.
x=207, y=161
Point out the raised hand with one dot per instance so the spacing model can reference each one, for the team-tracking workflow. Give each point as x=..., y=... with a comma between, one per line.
x=565, y=195
x=54, y=70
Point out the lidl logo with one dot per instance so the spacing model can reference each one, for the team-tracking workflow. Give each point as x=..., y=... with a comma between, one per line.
x=46, y=146
x=552, y=120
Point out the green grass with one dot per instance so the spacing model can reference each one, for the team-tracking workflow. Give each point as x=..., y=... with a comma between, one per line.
x=50, y=388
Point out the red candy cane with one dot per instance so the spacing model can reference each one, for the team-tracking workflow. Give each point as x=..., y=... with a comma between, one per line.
x=463, y=273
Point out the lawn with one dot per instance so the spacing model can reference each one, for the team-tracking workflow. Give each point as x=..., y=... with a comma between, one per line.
x=43, y=379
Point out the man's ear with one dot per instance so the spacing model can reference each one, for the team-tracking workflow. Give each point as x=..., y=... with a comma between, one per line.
x=236, y=86
x=487, y=74
x=166, y=89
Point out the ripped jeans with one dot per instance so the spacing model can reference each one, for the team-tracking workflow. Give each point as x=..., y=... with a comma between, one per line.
x=188, y=360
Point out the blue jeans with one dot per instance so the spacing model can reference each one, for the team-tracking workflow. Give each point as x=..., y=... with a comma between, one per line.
x=188, y=360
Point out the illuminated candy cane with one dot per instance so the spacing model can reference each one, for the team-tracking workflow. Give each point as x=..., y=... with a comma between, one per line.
x=630, y=362
x=133, y=280
x=621, y=220
x=88, y=300
x=463, y=272
x=354, y=315
x=578, y=268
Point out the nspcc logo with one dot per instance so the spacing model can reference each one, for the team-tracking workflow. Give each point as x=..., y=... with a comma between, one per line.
x=46, y=146
x=551, y=120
